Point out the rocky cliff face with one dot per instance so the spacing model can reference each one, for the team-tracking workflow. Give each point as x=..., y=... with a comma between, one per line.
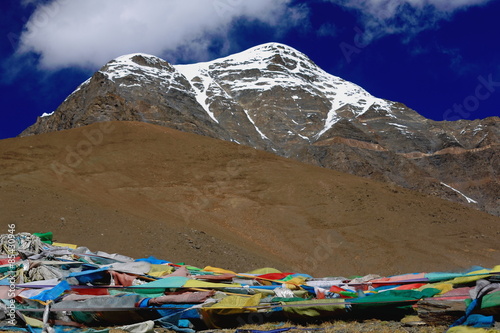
x=274, y=98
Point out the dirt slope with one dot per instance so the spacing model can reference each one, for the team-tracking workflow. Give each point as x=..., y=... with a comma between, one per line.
x=140, y=189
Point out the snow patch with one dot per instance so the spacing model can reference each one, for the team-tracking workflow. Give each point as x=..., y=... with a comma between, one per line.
x=398, y=125
x=402, y=128
x=469, y=200
x=47, y=114
x=477, y=129
x=262, y=135
x=191, y=72
x=331, y=119
x=304, y=137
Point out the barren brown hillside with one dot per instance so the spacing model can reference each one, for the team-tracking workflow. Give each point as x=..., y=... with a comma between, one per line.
x=140, y=189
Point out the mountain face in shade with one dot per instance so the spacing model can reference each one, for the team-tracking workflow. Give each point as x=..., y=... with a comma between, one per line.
x=274, y=98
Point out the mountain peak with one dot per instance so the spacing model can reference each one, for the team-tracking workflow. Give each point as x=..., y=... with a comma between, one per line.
x=288, y=80
x=270, y=49
x=136, y=64
x=141, y=59
x=273, y=97
x=265, y=55
x=273, y=46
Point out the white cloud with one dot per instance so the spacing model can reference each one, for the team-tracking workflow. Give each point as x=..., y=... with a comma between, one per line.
x=382, y=17
x=89, y=33
x=327, y=29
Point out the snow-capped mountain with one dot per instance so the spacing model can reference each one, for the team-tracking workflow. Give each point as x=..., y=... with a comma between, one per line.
x=262, y=72
x=273, y=97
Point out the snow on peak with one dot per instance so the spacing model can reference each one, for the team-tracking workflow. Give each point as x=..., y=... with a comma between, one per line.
x=140, y=59
x=260, y=68
x=136, y=63
x=261, y=56
x=264, y=67
x=128, y=57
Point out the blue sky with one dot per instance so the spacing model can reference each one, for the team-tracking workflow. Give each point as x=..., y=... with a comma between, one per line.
x=439, y=57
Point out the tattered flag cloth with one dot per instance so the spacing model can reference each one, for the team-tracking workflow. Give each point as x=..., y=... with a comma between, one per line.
x=67, y=288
